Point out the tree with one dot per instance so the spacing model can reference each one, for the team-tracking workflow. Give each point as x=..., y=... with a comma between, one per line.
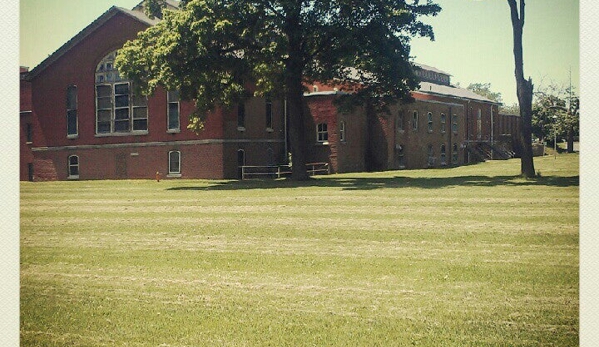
x=555, y=114
x=524, y=90
x=510, y=109
x=212, y=50
x=484, y=89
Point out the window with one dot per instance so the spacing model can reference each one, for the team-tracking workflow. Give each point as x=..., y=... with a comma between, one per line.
x=315, y=88
x=400, y=122
x=443, y=122
x=322, y=135
x=401, y=157
x=454, y=124
x=342, y=131
x=268, y=114
x=172, y=98
x=174, y=163
x=430, y=122
x=73, y=166
x=72, y=130
x=431, y=156
x=454, y=154
x=241, y=116
x=415, y=121
x=29, y=133
x=118, y=110
x=443, y=155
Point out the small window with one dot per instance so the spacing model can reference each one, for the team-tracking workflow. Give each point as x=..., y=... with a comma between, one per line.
x=174, y=124
x=268, y=112
x=315, y=88
x=443, y=155
x=73, y=166
x=415, y=121
x=322, y=134
x=429, y=117
x=174, y=163
x=443, y=122
x=454, y=154
x=241, y=116
x=342, y=131
x=72, y=111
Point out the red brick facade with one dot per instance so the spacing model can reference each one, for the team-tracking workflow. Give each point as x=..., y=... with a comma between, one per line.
x=64, y=135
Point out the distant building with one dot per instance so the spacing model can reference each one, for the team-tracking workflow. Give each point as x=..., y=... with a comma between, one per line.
x=81, y=120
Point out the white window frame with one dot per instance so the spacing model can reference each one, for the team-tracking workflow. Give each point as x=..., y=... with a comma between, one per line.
x=342, y=137
x=174, y=172
x=107, y=76
x=70, y=166
x=322, y=133
x=170, y=95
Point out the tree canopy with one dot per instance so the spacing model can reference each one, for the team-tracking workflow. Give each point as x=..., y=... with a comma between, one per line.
x=212, y=50
x=484, y=89
x=555, y=113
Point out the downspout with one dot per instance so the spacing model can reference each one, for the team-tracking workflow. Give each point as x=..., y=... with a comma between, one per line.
x=286, y=129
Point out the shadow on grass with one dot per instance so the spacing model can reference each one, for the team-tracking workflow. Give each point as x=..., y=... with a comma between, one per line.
x=362, y=183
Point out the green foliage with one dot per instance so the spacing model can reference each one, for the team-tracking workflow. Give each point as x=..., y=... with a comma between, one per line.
x=484, y=89
x=213, y=50
x=555, y=113
x=153, y=8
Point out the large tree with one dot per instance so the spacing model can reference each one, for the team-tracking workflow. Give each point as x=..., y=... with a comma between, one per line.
x=524, y=90
x=212, y=50
x=556, y=114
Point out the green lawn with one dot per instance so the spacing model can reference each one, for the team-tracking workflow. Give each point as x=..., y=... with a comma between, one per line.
x=469, y=256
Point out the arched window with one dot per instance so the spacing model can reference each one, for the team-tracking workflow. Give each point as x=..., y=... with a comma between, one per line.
x=174, y=163
x=430, y=122
x=415, y=121
x=72, y=111
x=443, y=155
x=443, y=122
x=431, y=156
x=73, y=166
x=118, y=110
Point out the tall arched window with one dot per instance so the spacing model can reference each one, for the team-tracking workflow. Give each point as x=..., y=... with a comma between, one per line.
x=443, y=156
x=72, y=126
x=118, y=110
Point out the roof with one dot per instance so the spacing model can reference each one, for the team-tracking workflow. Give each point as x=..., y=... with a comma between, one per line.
x=430, y=68
x=452, y=91
x=137, y=15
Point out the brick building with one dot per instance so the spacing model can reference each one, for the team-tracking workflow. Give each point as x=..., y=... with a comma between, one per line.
x=80, y=120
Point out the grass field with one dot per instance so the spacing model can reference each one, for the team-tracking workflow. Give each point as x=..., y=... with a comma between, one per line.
x=469, y=256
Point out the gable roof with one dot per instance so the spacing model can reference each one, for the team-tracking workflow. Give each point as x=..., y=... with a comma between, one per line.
x=430, y=68
x=114, y=10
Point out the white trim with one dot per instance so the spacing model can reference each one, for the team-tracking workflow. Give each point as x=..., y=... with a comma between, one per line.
x=170, y=170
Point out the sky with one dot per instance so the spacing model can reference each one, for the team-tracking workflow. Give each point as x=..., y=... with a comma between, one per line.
x=473, y=38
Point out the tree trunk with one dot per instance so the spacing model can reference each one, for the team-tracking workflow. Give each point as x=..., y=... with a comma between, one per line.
x=524, y=91
x=570, y=140
x=295, y=98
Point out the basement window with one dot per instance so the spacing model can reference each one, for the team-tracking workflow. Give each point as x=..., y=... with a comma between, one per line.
x=174, y=164
x=73, y=167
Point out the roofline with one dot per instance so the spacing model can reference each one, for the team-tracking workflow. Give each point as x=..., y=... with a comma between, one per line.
x=111, y=12
x=458, y=97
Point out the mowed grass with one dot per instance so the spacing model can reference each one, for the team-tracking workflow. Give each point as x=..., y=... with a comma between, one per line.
x=468, y=256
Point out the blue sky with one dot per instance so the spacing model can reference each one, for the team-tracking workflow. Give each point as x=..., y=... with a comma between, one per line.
x=473, y=38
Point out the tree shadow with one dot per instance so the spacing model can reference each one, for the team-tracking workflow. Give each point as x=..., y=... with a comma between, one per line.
x=363, y=183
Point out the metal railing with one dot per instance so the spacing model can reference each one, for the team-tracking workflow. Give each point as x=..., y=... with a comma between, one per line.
x=278, y=171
